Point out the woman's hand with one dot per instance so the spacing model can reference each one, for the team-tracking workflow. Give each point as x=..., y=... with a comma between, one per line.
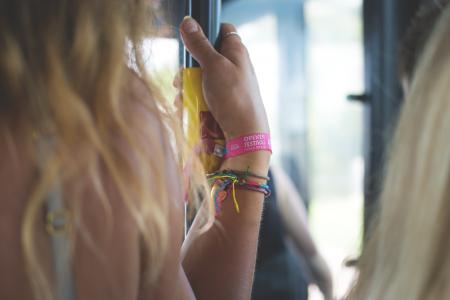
x=229, y=83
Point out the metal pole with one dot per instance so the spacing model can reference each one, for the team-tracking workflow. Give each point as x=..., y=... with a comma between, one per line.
x=207, y=14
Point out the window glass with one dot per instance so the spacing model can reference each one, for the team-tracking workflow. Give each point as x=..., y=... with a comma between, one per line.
x=306, y=69
x=334, y=70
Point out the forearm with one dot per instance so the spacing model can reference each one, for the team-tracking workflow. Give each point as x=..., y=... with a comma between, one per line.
x=321, y=275
x=220, y=263
x=293, y=213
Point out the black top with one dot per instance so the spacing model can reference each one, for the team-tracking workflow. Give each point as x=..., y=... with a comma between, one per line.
x=271, y=241
x=278, y=274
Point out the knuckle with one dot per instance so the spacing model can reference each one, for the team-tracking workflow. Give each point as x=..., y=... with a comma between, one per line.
x=241, y=49
x=218, y=63
x=238, y=49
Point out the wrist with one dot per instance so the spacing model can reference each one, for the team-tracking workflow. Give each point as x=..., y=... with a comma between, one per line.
x=257, y=162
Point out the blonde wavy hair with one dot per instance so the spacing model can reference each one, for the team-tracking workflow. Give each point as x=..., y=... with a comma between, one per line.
x=62, y=73
x=408, y=254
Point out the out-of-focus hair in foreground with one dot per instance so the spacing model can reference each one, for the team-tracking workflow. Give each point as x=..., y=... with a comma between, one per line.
x=407, y=255
x=64, y=76
x=417, y=37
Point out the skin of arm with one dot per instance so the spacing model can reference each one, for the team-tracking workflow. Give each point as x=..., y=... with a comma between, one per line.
x=220, y=263
x=295, y=221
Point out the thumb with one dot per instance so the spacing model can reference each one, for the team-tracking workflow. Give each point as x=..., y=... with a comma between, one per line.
x=197, y=43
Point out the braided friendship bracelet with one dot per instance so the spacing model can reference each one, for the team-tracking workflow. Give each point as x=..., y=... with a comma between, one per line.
x=247, y=173
x=226, y=182
x=242, y=174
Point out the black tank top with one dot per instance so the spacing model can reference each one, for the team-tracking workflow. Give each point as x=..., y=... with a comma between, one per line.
x=271, y=233
x=278, y=274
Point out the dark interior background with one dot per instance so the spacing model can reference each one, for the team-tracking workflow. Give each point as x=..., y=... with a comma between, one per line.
x=385, y=23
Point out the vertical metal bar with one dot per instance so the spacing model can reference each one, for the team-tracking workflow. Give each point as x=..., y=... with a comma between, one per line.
x=187, y=56
x=385, y=23
x=207, y=14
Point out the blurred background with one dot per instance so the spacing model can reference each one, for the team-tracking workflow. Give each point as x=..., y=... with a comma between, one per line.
x=327, y=72
x=306, y=68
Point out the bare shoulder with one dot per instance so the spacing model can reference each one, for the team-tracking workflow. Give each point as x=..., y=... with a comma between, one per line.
x=139, y=104
x=172, y=282
x=146, y=119
x=142, y=137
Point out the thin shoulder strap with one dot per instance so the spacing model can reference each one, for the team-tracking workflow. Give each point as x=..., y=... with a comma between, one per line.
x=58, y=225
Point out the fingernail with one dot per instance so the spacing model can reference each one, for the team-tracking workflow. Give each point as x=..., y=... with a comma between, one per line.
x=189, y=25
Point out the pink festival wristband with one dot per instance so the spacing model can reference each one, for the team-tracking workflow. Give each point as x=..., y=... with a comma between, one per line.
x=248, y=143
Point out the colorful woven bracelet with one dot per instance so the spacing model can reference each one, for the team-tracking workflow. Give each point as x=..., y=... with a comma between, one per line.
x=239, y=174
x=247, y=173
x=226, y=182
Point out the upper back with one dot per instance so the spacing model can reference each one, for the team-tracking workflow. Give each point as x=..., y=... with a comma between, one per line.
x=106, y=266
x=108, y=247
